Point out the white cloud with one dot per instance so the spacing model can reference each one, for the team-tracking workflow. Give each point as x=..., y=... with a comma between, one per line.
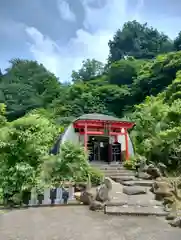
x=100, y=25
x=12, y=29
x=44, y=50
x=65, y=11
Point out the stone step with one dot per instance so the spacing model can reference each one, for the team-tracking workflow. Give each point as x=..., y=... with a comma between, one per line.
x=114, y=173
x=139, y=182
x=132, y=202
x=135, y=210
x=121, y=179
x=135, y=190
x=106, y=167
x=113, y=168
x=118, y=171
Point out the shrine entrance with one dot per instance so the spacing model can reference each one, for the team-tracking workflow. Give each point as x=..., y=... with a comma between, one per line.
x=99, y=148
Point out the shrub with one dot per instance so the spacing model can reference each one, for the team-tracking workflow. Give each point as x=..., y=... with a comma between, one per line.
x=131, y=163
x=70, y=165
x=128, y=165
x=96, y=176
x=23, y=144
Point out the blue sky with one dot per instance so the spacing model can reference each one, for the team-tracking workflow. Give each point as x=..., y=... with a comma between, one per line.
x=62, y=33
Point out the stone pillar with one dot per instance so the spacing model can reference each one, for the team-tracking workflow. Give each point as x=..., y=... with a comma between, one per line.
x=58, y=199
x=71, y=192
x=47, y=199
x=33, y=200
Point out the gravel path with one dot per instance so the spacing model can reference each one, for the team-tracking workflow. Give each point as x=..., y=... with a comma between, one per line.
x=78, y=223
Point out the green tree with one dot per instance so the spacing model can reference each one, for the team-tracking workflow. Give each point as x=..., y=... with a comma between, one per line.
x=88, y=103
x=177, y=42
x=1, y=75
x=138, y=40
x=155, y=76
x=124, y=71
x=90, y=69
x=114, y=98
x=27, y=85
x=23, y=145
x=157, y=132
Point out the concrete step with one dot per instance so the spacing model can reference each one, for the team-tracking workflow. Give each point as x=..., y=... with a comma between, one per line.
x=108, y=166
x=117, y=170
x=138, y=182
x=111, y=168
x=122, y=179
x=117, y=173
x=114, y=168
x=133, y=202
x=135, y=210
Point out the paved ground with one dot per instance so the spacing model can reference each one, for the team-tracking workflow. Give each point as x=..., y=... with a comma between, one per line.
x=78, y=223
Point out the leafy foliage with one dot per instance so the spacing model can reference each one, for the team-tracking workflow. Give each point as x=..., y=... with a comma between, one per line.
x=138, y=40
x=89, y=70
x=70, y=165
x=157, y=132
x=27, y=85
x=122, y=72
x=177, y=42
x=23, y=144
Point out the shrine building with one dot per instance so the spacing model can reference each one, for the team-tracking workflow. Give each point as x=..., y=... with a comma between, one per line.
x=105, y=138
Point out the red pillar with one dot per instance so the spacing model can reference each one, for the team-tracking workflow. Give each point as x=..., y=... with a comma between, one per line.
x=126, y=144
x=85, y=137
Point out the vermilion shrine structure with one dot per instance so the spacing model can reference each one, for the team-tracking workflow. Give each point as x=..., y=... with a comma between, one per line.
x=104, y=137
x=109, y=127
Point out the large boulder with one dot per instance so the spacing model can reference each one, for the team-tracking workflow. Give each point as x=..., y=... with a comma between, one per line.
x=134, y=190
x=143, y=175
x=163, y=169
x=176, y=222
x=171, y=216
x=108, y=183
x=140, y=165
x=95, y=197
x=103, y=191
x=88, y=196
x=162, y=189
x=153, y=171
x=96, y=205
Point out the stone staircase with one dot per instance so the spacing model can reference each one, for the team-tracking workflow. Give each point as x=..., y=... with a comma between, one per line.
x=130, y=195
